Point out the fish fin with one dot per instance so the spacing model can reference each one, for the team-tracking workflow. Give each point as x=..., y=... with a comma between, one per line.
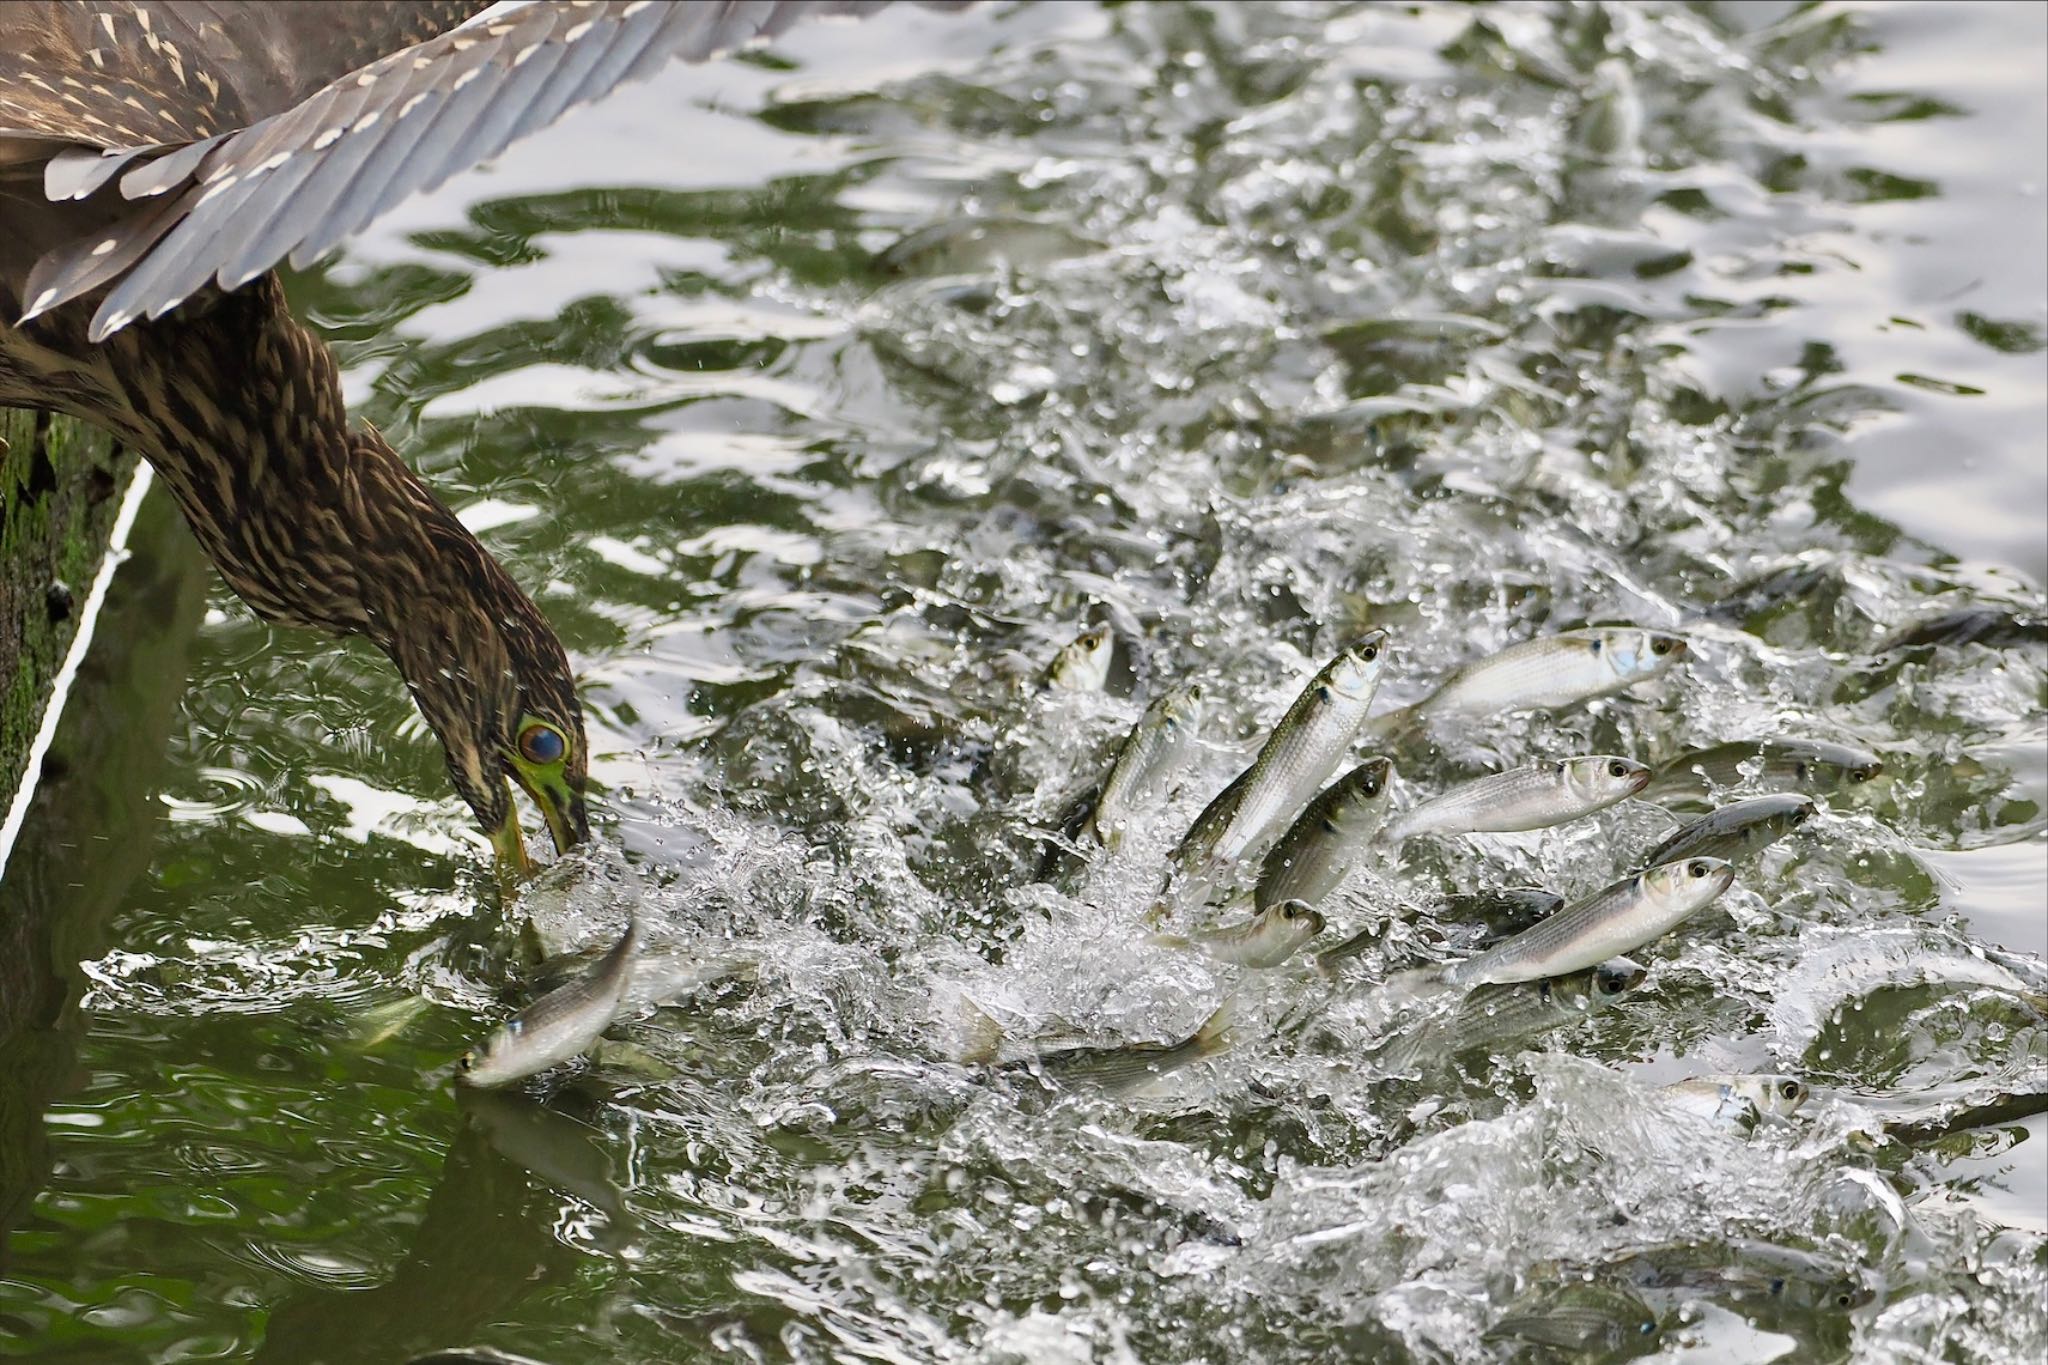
x=1215, y=1033
x=981, y=1042
x=1170, y=941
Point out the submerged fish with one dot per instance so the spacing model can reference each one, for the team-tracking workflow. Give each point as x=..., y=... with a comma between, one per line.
x=1083, y=666
x=1267, y=939
x=1591, y=1321
x=1615, y=920
x=558, y=1150
x=1154, y=752
x=1807, y=765
x=1517, y=1010
x=1546, y=673
x=1509, y=910
x=1994, y=627
x=1327, y=840
x=1535, y=797
x=1127, y=1068
x=1740, y=1099
x=1760, y=1279
x=559, y=1025
x=1736, y=830
x=1298, y=757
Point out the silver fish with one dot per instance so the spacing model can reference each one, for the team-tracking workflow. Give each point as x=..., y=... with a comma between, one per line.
x=1740, y=1099
x=1329, y=839
x=1546, y=673
x=1267, y=939
x=1808, y=765
x=1735, y=830
x=1153, y=754
x=1759, y=1277
x=1128, y=1068
x=1617, y=919
x=1298, y=757
x=559, y=1025
x=1590, y=1321
x=1509, y=910
x=1516, y=1010
x=1083, y=665
x=559, y=1150
x=1524, y=1009
x=1535, y=797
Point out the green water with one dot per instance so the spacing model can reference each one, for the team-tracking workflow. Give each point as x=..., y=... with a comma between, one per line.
x=820, y=398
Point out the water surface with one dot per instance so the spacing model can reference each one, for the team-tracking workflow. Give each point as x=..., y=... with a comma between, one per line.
x=821, y=397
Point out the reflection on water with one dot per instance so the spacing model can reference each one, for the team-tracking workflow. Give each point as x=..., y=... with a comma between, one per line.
x=822, y=398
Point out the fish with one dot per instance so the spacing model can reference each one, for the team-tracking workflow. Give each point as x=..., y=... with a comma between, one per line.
x=1267, y=939
x=1507, y=911
x=1759, y=1278
x=1125, y=1069
x=1544, y=674
x=1296, y=759
x=1591, y=1321
x=1152, y=755
x=1993, y=627
x=1614, y=920
x=1736, y=830
x=1533, y=797
x=1516, y=1010
x=559, y=1025
x=1809, y=765
x=1083, y=665
x=1740, y=1099
x=1328, y=839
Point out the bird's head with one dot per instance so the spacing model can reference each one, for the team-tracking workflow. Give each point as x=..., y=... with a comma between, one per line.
x=489, y=676
x=504, y=706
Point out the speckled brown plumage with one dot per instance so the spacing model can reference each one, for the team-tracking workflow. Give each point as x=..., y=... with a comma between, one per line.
x=159, y=157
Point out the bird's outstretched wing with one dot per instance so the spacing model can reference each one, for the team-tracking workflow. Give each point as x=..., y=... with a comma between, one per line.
x=226, y=208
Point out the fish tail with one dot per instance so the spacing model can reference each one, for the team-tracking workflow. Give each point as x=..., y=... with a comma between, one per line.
x=1395, y=724
x=981, y=1040
x=1215, y=1033
x=1413, y=986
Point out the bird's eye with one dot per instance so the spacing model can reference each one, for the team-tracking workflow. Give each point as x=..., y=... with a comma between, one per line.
x=542, y=743
x=1617, y=770
x=1660, y=646
x=1697, y=869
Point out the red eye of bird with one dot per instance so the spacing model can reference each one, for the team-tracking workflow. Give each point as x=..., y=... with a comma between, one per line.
x=541, y=744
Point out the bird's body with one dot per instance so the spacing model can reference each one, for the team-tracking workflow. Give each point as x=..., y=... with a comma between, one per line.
x=158, y=158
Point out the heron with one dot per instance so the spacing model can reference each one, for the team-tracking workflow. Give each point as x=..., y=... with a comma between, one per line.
x=159, y=161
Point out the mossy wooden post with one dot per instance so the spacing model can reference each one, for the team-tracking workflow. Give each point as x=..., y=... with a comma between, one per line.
x=59, y=489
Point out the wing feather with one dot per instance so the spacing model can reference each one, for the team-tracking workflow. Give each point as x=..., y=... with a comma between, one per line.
x=297, y=183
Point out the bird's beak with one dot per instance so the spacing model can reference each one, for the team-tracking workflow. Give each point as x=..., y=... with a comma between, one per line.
x=561, y=805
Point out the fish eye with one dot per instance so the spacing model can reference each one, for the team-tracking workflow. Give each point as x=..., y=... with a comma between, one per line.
x=1617, y=769
x=542, y=743
x=466, y=1062
x=1844, y=1299
x=1800, y=770
x=1791, y=1090
x=1369, y=653
x=1696, y=869
x=1777, y=1286
x=1595, y=645
x=1660, y=645
x=1863, y=773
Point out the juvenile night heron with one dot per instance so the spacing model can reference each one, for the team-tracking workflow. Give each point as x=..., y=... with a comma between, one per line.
x=158, y=158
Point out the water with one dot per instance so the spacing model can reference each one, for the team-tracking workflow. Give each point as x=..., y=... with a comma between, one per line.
x=822, y=398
